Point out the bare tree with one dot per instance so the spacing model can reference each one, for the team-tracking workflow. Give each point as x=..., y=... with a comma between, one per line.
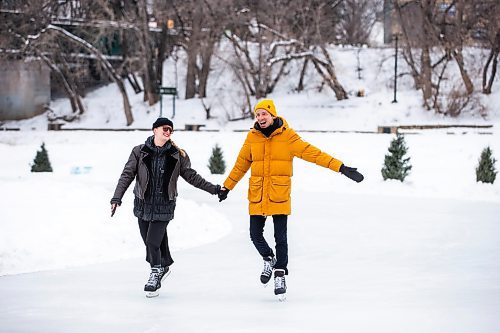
x=357, y=20
x=201, y=24
x=432, y=27
x=313, y=25
x=266, y=37
x=22, y=24
x=485, y=28
x=33, y=33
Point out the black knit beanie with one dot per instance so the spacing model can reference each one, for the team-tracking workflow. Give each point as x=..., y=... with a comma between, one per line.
x=163, y=121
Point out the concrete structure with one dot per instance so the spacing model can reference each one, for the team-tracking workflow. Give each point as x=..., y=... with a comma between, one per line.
x=24, y=88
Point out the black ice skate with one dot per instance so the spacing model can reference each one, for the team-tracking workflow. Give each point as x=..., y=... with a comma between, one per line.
x=267, y=271
x=164, y=272
x=280, y=284
x=154, y=282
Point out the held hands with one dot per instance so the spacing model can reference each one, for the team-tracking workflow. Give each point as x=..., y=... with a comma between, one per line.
x=351, y=173
x=222, y=194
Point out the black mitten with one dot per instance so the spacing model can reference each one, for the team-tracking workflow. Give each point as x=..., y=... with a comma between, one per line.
x=351, y=173
x=223, y=192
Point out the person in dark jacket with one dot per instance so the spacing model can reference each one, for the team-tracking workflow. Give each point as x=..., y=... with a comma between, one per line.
x=156, y=166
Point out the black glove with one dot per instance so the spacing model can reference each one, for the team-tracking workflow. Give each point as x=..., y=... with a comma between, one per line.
x=351, y=173
x=117, y=202
x=222, y=194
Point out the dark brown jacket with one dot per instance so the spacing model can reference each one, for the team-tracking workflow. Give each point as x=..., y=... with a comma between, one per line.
x=137, y=169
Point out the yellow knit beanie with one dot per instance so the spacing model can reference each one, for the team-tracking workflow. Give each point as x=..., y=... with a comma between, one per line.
x=268, y=105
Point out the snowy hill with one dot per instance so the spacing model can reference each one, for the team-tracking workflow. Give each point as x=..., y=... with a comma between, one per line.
x=309, y=110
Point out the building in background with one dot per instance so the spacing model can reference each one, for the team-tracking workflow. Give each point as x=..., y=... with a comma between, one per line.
x=24, y=88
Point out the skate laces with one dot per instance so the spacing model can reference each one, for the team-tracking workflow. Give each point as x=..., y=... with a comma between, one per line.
x=153, y=278
x=279, y=282
x=268, y=267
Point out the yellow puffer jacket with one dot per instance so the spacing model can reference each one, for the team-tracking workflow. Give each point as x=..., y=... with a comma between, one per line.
x=271, y=162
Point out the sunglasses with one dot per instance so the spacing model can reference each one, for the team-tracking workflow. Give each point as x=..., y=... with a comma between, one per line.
x=168, y=129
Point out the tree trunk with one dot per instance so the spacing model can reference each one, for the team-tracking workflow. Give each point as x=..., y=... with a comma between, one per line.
x=191, y=73
x=150, y=80
x=339, y=90
x=487, y=84
x=426, y=77
x=459, y=58
x=132, y=80
x=74, y=98
x=300, y=87
x=328, y=78
x=206, y=57
x=270, y=86
x=487, y=90
x=193, y=49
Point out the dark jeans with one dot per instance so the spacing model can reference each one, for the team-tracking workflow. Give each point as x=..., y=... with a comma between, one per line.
x=154, y=235
x=257, y=223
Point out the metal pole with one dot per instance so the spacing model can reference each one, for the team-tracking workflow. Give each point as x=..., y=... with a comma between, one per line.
x=161, y=104
x=173, y=105
x=395, y=69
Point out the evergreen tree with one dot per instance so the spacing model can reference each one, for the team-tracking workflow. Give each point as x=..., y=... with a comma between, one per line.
x=396, y=165
x=41, y=162
x=485, y=171
x=216, y=163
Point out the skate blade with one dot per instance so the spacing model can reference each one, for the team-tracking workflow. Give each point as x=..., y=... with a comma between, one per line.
x=282, y=297
x=166, y=274
x=151, y=294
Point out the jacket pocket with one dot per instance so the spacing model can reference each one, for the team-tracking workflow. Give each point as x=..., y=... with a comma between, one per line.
x=255, y=189
x=280, y=189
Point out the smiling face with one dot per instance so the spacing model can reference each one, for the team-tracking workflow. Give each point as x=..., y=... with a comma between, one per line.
x=162, y=134
x=264, y=118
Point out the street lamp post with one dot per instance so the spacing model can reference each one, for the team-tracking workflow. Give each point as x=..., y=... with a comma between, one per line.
x=396, y=38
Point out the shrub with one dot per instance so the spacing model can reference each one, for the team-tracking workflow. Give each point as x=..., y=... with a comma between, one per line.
x=41, y=162
x=216, y=163
x=485, y=171
x=396, y=165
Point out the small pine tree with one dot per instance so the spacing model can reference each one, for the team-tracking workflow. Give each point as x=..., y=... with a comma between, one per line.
x=485, y=171
x=216, y=163
x=41, y=162
x=396, y=166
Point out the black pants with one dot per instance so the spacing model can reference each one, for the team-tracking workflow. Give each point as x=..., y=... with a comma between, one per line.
x=154, y=235
x=257, y=223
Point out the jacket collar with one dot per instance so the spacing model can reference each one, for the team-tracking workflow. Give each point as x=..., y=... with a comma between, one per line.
x=279, y=130
x=148, y=148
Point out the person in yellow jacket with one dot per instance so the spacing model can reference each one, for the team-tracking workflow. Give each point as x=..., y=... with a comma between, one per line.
x=268, y=150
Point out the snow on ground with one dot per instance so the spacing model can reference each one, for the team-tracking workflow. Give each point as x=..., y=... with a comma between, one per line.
x=61, y=219
x=419, y=256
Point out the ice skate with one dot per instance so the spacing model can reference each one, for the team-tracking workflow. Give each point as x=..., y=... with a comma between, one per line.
x=164, y=272
x=280, y=284
x=267, y=271
x=154, y=282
